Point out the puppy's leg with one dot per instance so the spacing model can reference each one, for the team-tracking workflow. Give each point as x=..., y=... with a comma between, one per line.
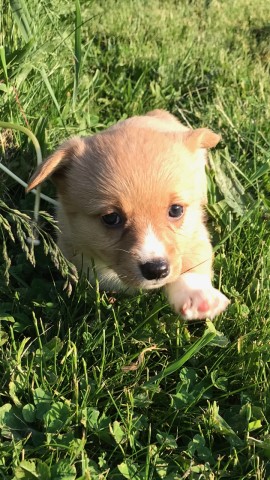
x=192, y=294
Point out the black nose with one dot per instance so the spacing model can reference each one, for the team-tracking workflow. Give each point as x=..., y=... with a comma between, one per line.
x=155, y=270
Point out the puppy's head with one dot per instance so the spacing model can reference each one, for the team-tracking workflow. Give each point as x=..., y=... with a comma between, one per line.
x=132, y=195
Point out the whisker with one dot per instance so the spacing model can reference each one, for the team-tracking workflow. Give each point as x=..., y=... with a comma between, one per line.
x=195, y=266
x=125, y=251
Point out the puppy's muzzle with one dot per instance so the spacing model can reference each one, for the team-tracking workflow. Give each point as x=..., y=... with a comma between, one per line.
x=155, y=270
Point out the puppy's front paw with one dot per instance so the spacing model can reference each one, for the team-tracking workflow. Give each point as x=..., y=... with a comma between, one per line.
x=194, y=297
x=203, y=304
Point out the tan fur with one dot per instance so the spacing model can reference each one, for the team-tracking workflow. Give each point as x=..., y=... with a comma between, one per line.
x=137, y=168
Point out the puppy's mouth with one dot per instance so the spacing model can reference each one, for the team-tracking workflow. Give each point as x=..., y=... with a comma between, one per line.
x=151, y=285
x=139, y=283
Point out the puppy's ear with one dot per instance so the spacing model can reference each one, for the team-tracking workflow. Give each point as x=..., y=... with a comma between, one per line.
x=69, y=150
x=162, y=115
x=201, y=138
x=158, y=112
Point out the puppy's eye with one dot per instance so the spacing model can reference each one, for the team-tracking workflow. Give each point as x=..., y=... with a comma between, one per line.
x=112, y=219
x=176, y=211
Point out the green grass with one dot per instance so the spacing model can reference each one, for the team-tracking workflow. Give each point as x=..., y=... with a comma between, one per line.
x=198, y=404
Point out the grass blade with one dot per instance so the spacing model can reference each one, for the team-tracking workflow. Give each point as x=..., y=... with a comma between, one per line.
x=22, y=18
x=78, y=49
x=3, y=62
x=209, y=335
x=51, y=92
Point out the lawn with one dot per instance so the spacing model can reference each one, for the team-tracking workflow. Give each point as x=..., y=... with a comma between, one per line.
x=95, y=389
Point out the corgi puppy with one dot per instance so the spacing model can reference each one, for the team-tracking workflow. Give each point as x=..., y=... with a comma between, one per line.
x=131, y=198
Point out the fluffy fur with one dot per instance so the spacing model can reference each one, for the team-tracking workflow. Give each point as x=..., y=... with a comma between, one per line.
x=135, y=171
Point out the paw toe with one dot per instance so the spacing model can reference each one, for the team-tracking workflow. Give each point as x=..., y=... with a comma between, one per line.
x=204, y=306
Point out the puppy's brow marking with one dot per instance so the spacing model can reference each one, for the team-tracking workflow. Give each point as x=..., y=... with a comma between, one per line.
x=152, y=247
